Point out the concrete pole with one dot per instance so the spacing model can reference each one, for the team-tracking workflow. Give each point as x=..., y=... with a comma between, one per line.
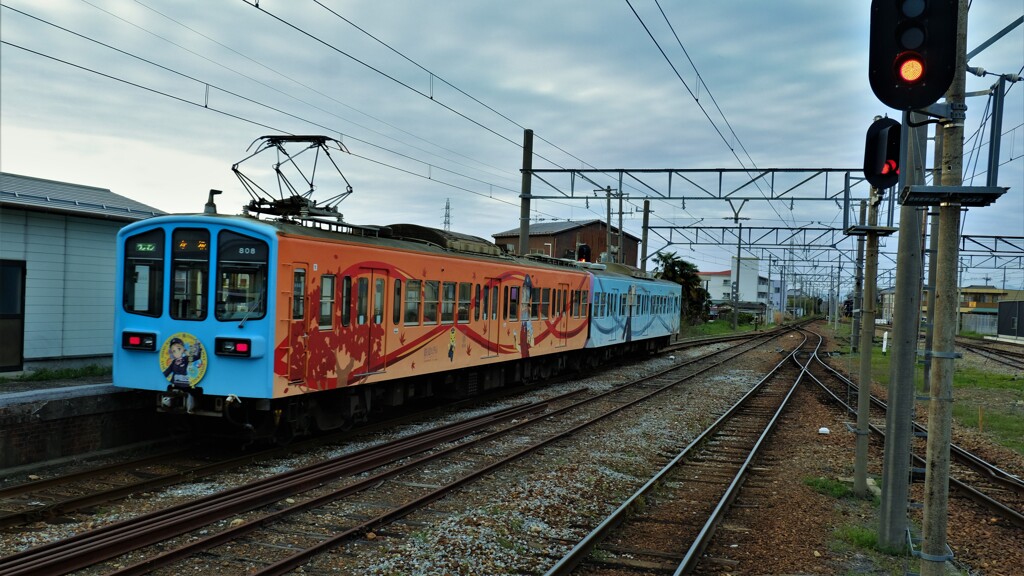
x=524, y=205
x=906, y=315
x=860, y=475
x=933, y=248
x=858, y=284
x=934, y=549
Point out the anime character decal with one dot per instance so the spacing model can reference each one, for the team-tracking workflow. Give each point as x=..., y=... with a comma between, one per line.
x=526, y=327
x=451, y=345
x=183, y=360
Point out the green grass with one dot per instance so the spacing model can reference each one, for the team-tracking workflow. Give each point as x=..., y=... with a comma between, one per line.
x=715, y=328
x=858, y=536
x=60, y=374
x=829, y=487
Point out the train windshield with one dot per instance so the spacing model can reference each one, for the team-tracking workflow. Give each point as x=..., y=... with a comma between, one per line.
x=144, y=273
x=241, y=277
x=190, y=264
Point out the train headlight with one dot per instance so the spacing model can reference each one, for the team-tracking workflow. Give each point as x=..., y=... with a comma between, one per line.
x=138, y=341
x=240, y=347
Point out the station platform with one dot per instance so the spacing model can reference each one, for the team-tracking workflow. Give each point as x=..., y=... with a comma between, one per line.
x=42, y=421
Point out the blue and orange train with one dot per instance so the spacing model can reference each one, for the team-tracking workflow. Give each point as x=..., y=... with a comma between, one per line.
x=281, y=328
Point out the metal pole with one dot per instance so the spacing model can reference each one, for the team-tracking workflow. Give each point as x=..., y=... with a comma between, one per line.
x=643, y=241
x=858, y=284
x=620, y=253
x=934, y=550
x=524, y=206
x=860, y=476
x=906, y=313
x=736, y=286
x=608, y=227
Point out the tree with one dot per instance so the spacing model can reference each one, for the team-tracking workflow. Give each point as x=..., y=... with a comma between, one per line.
x=696, y=300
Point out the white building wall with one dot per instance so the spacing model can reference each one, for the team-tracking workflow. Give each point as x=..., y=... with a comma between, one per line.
x=748, y=278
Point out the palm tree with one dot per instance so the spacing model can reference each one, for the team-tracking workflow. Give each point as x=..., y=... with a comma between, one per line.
x=696, y=300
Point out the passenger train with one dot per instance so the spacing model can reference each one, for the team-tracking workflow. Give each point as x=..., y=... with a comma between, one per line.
x=282, y=327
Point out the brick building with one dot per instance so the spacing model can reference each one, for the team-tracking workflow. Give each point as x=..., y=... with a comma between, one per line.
x=560, y=239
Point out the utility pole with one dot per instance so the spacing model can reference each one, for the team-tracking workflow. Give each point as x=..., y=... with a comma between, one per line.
x=608, y=226
x=860, y=485
x=736, y=284
x=934, y=549
x=524, y=204
x=643, y=240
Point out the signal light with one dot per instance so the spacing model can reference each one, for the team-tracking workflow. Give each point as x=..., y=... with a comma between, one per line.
x=912, y=51
x=882, y=153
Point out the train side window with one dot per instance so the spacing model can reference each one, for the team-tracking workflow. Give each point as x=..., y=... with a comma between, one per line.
x=362, y=299
x=534, y=303
x=485, y=304
x=190, y=263
x=447, y=302
x=585, y=304
x=476, y=309
x=396, y=314
x=299, y=294
x=431, y=296
x=575, y=310
x=465, y=297
x=379, y=287
x=413, y=302
x=494, y=303
x=545, y=303
x=144, y=273
x=346, y=301
x=325, y=318
x=512, y=304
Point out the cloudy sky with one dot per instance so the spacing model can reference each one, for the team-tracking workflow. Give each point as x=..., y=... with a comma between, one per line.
x=156, y=100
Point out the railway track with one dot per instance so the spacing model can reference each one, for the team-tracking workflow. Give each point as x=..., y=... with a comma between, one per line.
x=990, y=486
x=666, y=524
x=1004, y=356
x=359, y=493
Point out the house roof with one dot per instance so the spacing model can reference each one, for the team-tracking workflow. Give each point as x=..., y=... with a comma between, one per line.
x=37, y=194
x=550, y=228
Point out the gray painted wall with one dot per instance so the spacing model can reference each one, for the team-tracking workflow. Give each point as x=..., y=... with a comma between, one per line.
x=69, y=284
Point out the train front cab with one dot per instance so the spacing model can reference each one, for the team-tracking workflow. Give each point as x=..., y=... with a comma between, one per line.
x=193, y=295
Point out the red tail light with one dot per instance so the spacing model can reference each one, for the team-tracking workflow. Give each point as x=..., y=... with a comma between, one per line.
x=138, y=341
x=240, y=347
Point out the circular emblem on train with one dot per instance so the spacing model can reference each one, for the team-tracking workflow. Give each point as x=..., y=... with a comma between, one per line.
x=183, y=360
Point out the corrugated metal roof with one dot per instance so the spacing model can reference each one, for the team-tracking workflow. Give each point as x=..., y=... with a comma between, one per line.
x=38, y=194
x=549, y=228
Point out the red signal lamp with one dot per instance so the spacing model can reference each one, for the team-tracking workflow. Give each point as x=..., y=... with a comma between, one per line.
x=890, y=167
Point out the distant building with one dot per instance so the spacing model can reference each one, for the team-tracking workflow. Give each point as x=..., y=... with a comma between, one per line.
x=57, y=257
x=560, y=240
x=754, y=294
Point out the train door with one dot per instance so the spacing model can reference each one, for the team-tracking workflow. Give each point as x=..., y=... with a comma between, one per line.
x=492, y=322
x=562, y=320
x=371, y=294
x=293, y=288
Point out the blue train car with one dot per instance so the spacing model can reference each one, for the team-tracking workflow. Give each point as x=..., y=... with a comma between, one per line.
x=173, y=333
x=630, y=311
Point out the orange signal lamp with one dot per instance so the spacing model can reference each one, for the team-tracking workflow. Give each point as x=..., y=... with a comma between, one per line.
x=910, y=68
